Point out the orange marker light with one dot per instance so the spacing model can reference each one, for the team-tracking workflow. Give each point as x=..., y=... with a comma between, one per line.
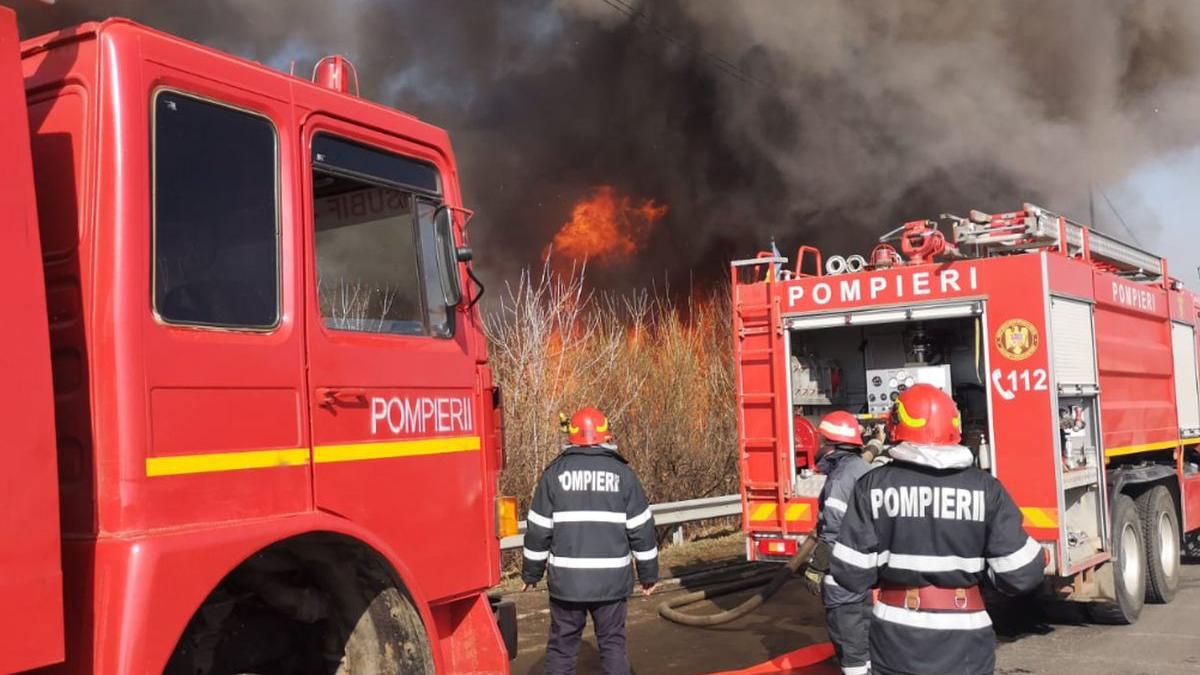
x=506, y=517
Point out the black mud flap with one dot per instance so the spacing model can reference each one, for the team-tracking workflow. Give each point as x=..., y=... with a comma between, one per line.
x=505, y=612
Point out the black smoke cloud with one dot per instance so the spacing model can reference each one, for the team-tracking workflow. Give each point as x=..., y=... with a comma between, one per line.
x=813, y=122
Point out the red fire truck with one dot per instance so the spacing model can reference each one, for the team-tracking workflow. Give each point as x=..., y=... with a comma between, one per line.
x=1072, y=357
x=251, y=423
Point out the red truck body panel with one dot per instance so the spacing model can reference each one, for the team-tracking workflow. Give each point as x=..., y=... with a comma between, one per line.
x=31, y=624
x=184, y=450
x=1133, y=350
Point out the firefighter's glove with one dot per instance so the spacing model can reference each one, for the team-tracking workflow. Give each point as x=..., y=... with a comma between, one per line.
x=818, y=567
x=813, y=580
x=873, y=450
x=820, y=557
x=878, y=433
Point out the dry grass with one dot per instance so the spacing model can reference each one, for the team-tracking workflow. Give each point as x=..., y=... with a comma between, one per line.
x=660, y=370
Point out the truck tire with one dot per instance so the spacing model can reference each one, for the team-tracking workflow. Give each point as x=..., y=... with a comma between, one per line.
x=1129, y=567
x=315, y=604
x=1160, y=530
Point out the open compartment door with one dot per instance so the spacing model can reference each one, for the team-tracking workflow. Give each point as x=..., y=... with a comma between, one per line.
x=1080, y=474
x=31, y=623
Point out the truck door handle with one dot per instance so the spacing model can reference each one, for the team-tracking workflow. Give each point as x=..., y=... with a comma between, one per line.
x=328, y=397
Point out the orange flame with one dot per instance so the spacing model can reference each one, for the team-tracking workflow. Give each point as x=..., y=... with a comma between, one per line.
x=606, y=228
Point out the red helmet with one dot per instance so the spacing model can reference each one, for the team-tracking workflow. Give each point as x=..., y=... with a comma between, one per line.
x=588, y=426
x=925, y=414
x=840, y=426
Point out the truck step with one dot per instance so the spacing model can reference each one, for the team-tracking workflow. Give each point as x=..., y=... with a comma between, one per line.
x=757, y=352
x=759, y=442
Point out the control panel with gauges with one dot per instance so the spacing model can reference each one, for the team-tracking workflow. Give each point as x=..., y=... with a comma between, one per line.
x=885, y=384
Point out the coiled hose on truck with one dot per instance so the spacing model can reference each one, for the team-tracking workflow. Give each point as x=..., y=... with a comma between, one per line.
x=771, y=583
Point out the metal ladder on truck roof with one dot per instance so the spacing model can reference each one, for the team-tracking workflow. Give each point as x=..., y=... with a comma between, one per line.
x=761, y=391
x=1034, y=227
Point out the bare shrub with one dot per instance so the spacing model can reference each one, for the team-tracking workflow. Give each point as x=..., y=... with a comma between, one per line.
x=659, y=369
x=356, y=305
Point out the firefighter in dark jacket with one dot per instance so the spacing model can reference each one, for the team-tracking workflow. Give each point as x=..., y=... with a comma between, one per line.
x=925, y=529
x=847, y=613
x=588, y=518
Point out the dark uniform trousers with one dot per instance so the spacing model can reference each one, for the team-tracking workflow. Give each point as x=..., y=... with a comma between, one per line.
x=567, y=620
x=849, y=626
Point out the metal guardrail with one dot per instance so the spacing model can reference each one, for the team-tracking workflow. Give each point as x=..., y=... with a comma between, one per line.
x=670, y=513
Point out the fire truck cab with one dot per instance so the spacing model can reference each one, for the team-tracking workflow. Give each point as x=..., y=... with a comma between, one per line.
x=1072, y=357
x=257, y=365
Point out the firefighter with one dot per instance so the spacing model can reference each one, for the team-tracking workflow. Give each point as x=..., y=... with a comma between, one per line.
x=589, y=515
x=847, y=613
x=925, y=529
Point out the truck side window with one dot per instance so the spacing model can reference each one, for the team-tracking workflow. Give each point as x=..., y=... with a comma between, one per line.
x=375, y=267
x=439, y=316
x=216, y=251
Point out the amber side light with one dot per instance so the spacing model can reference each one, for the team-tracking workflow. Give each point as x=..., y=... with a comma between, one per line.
x=506, y=517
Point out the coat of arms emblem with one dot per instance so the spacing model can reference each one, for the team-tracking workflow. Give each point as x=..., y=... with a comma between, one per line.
x=1017, y=339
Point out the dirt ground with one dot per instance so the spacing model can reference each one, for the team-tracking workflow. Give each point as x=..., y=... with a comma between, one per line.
x=1165, y=640
x=791, y=620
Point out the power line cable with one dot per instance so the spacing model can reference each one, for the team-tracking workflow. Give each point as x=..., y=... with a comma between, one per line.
x=643, y=21
x=1119, y=218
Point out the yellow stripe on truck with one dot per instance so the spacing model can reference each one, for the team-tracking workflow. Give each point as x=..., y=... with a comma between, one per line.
x=354, y=452
x=1148, y=447
x=793, y=513
x=214, y=462
x=797, y=512
x=763, y=512
x=1039, y=517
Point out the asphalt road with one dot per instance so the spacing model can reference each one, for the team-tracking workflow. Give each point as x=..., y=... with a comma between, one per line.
x=1165, y=641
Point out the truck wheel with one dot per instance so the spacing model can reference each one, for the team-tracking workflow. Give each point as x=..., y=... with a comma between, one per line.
x=316, y=604
x=1160, y=530
x=1129, y=567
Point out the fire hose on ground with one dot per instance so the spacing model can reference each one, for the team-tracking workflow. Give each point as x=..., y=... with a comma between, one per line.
x=771, y=583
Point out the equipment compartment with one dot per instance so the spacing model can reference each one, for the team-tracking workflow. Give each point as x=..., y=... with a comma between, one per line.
x=861, y=365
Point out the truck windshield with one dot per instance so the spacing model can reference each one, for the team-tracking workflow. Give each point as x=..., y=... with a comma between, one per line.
x=376, y=270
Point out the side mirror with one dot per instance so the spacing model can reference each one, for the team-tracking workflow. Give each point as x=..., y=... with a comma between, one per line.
x=448, y=256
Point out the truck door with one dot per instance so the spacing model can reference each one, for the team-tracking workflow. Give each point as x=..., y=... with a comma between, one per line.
x=31, y=623
x=392, y=381
x=223, y=345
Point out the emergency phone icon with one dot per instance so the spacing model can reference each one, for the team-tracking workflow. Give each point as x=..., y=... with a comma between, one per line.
x=998, y=383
